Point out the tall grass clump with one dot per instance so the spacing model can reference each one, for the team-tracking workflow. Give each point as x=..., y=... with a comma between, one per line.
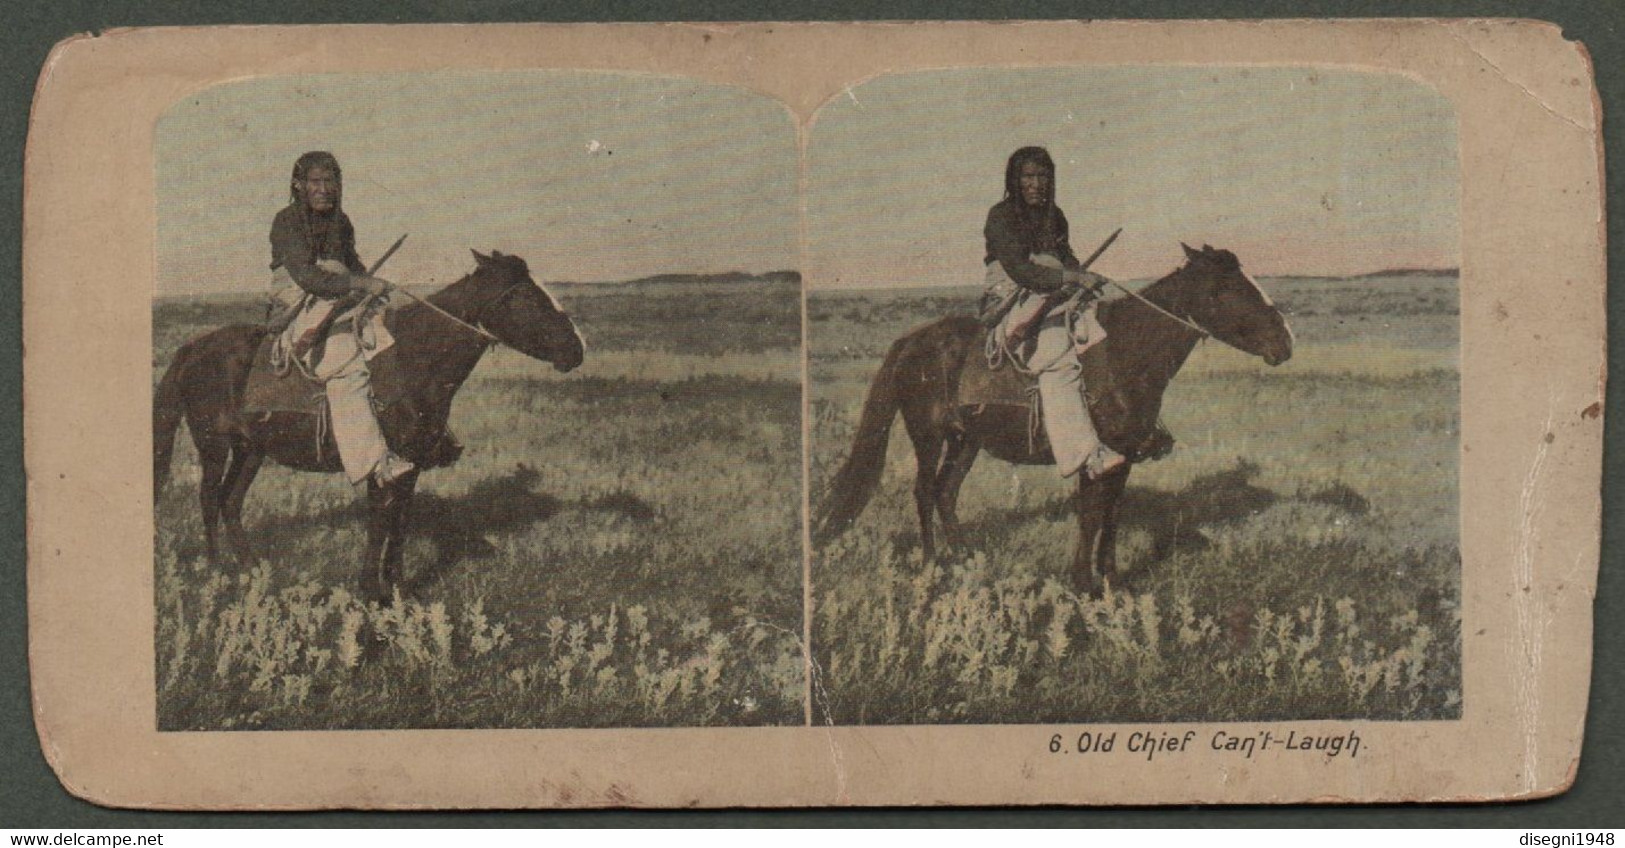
x=972, y=642
x=253, y=652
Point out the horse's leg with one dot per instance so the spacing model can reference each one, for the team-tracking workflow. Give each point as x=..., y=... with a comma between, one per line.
x=962, y=451
x=245, y=465
x=1096, y=553
x=373, y=584
x=213, y=456
x=928, y=457
x=400, y=502
x=1111, y=488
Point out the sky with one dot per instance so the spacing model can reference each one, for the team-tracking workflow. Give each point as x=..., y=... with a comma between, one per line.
x=598, y=176
x=1296, y=170
x=589, y=176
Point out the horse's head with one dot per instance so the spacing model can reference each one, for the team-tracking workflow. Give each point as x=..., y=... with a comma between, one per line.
x=1219, y=297
x=522, y=314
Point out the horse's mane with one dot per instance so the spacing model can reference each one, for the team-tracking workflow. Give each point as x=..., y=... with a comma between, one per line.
x=512, y=266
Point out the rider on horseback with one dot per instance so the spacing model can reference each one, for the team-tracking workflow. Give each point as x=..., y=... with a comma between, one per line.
x=1032, y=269
x=317, y=278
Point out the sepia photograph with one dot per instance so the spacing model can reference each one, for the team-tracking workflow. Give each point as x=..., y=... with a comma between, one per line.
x=814, y=414
x=1200, y=327
x=471, y=409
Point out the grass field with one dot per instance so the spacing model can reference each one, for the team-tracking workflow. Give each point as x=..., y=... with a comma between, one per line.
x=1295, y=557
x=619, y=546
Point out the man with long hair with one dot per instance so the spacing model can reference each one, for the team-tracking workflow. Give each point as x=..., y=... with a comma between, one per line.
x=317, y=277
x=1028, y=249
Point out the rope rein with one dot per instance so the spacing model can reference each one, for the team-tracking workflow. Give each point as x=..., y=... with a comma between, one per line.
x=1073, y=306
x=1136, y=295
x=1200, y=331
x=364, y=311
x=481, y=331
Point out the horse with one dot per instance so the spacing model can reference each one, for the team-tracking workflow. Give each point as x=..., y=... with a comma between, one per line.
x=436, y=348
x=1144, y=348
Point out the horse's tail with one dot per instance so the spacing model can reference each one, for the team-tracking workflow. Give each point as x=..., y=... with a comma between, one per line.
x=168, y=406
x=859, y=476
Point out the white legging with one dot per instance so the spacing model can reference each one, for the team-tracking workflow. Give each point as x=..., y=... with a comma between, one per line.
x=1072, y=436
x=343, y=371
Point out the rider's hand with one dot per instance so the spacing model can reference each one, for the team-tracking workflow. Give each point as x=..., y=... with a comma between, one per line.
x=332, y=266
x=1088, y=281
x=373, y=286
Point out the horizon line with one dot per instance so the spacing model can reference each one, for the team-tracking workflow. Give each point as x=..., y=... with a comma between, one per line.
x=701, y=276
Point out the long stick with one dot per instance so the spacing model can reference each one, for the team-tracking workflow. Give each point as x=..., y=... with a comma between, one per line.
x=1093, y=256
x=1054, y=299
x=373, y=271
x=319, y=332
x=992, y=319
x=391, y=252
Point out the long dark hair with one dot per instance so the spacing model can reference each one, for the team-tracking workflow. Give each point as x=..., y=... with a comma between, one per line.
x=322, y=232
x=1012, y=172
x=1038, y=225
x=321, y=159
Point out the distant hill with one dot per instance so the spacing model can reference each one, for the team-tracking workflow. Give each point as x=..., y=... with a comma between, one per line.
x=658, y=281
x=661, y=280
x=973, y=289
x=1408, y=273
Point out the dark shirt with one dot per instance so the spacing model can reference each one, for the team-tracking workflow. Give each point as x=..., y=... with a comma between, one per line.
x=1013, y=236
x=299, y=239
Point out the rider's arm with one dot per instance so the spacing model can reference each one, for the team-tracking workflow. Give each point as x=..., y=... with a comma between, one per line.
x=1069, y=260
x=1003, y=232
x=1063, y=246
x=289, y=250
x=352, y=260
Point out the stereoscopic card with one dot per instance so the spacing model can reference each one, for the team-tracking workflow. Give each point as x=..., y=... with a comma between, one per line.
x=813, y=414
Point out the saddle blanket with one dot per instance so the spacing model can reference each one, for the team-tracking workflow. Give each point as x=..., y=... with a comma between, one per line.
x=981, y=385
x=289, y=391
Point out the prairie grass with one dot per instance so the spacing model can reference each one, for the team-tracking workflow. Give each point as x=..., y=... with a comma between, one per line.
x=619, y=546
x=1297, y=556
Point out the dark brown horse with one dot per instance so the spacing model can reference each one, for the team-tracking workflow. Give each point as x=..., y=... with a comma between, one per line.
x=428, y=363
x=1142, y=352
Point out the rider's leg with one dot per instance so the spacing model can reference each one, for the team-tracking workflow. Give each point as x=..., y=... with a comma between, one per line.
x=1071, y=430
x=361, y=443
x=1060, y=385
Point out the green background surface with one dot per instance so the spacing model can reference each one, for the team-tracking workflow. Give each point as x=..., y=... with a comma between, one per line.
x=30, y=796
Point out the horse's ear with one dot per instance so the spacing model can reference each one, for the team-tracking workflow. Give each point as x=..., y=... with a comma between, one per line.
x=479, y=258
x=1207, y=248
x=1189, y=253
x=496, y=254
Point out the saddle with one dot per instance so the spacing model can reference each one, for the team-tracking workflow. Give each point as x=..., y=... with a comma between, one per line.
x=287, y=390
x=1126, y=427
x=276, y=384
